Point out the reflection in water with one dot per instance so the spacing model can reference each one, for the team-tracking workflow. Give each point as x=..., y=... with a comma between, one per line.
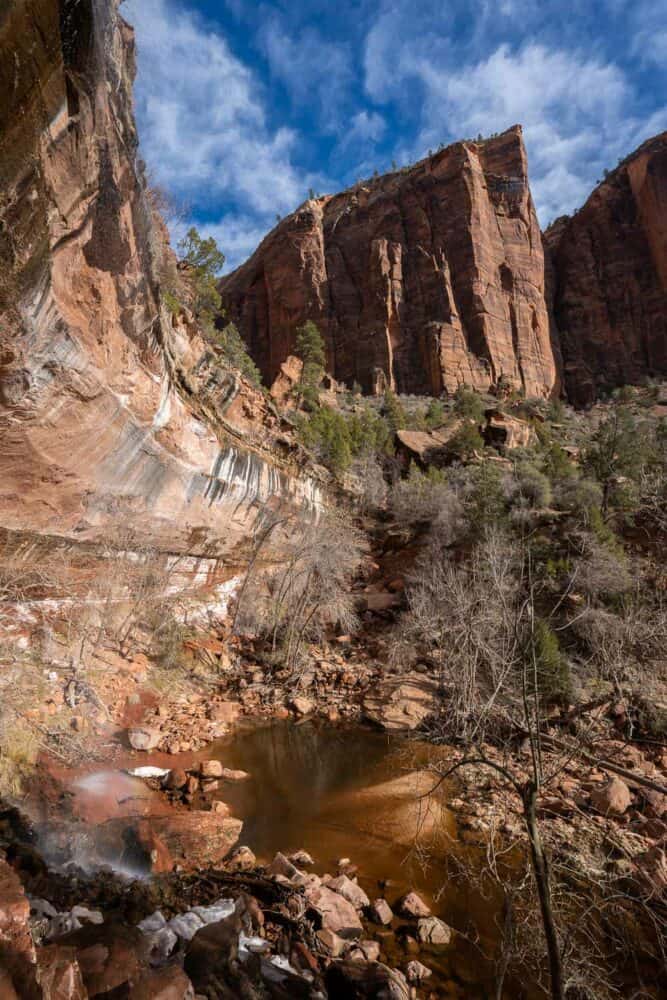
x=357, y=793
x=335, y=792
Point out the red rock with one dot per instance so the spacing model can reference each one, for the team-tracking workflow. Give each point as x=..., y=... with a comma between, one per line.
x=413, y=905
x=302, y=705
x=433, y=931
x=350, y=891
x=380, y=912
x=226, y=712
x=144, y=738
x=286, y=380
x=109, y=955
x=59, y=973
x=110, y=406
x=242, y=859
x=17, y=949
x=331, y=943
x=427, y=447
x=613, y=798
x=169, y=983
x=211, y=769
x=505, y=432
x=7, y=989
x=335, y=913
x=176, y=779
x=191, y=839
x=610, y=266
x=422, y=279
x=221, y=808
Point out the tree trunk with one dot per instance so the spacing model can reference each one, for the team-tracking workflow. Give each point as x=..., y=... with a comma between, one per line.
x=541, y=872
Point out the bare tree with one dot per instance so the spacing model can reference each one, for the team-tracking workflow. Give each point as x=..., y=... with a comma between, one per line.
x=307, y=592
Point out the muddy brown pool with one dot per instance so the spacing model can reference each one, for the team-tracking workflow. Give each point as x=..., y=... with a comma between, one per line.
x=346, y=792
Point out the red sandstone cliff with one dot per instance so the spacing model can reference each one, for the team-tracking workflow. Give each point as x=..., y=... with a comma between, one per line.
x=112, y=418
x=610, y=275
x=431, y=277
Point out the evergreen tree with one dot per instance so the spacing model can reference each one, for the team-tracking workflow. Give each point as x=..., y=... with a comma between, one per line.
x=617, y=449
x=205, y=260
x=234, y=350
x=468, y=404
x=393, y=412
x=310, y=348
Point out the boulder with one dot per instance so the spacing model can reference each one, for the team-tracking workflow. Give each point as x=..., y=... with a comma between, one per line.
x=332, y=943
x=17, y=949
x=242, y=859
x=613, y=799
x=505, y=432
x=348, y=979
x=59, y=974
x=364, y=951
x=192, y=839
x=144, y=738
x=221, y=808
x=334, y=912
x=211, y=769
x=413, y=905
x=169, y=983
x=301, y=858
x=433, y=931
x=225, y=712
x=283, y=866
x=302, y=705
x=176, y=779
x=230, y=774
x=350, y=891
x=110, y=955
x=380, y=912
x=415, y=972
x=403, y=703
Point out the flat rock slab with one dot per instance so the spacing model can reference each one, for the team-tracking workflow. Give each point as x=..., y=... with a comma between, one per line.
x=401, y=704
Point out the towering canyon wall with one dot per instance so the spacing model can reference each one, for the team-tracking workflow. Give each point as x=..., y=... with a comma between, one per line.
x=426, y=278
x=113, y=422
x=610, y=269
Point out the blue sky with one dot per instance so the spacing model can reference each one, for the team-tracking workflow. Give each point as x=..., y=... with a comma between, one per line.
x=243, y=107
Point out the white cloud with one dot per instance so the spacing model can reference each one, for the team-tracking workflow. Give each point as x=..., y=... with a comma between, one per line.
x=365, y=127
x=315, y=72
x=203, y=125
x=580, y=113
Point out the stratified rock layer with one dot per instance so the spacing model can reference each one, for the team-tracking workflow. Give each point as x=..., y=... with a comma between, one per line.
x=610, y=272
x=117, y=428
x=426, y=278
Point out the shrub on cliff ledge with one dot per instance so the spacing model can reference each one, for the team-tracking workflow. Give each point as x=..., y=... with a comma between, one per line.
x=204, y=260
x=468, y=404
x=234, y=350
x=309, y=347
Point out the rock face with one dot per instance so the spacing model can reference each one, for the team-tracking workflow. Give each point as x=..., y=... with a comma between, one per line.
x=112, y=415
x=424, y=279
x=610, y=273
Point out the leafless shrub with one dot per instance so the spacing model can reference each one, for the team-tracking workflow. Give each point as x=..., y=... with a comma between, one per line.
x=368, y=472
x=600, y=572
x=308, y=593
x=624, y=647
x=465, y=614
